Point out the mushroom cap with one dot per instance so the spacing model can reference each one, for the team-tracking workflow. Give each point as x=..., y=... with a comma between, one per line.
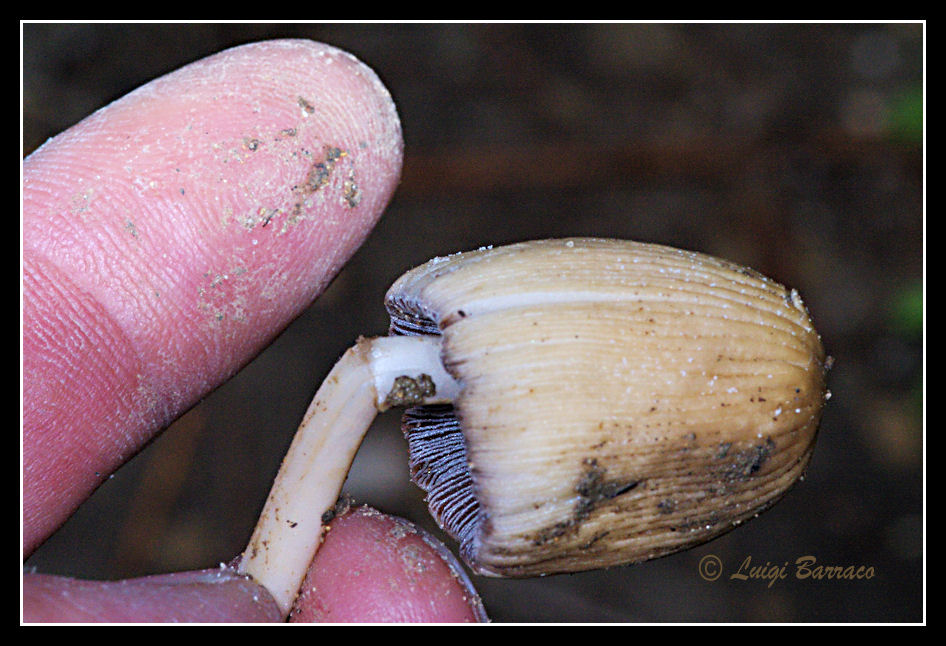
x=619, y=401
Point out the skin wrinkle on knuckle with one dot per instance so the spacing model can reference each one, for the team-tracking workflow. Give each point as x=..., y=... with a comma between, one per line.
x=82, y=344
x=77, y=357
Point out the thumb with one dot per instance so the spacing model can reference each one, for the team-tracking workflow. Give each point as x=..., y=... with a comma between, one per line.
x=382, y=569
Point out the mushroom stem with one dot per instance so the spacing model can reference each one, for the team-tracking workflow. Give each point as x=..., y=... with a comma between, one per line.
x=373, y=375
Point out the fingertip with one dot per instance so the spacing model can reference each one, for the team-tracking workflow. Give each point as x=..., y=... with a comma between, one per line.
x=169, y=237
x=374, y=568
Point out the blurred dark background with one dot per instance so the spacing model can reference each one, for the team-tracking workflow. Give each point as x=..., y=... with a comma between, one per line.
x=793, y=148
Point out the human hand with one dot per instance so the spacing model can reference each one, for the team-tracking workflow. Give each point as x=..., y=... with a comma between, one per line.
x=167, y=239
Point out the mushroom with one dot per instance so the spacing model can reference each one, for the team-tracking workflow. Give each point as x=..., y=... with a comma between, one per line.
x=571, y=404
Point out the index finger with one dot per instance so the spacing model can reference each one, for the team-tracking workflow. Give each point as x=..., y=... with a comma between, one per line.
x=171, y=235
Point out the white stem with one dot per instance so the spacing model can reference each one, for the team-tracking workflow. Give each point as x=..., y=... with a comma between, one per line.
x=364, y=381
